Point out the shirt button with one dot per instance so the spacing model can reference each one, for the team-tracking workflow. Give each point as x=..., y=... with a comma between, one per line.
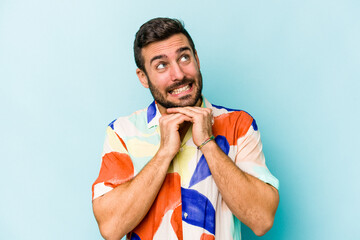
x=181, y=149
x=185, y=215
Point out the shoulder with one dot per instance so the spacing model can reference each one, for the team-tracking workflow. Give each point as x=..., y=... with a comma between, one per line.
x=233, y=116
x=225, y=112
x=232, y=123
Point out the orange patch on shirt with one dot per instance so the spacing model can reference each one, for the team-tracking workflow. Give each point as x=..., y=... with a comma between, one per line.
x=122, y=141
x=205, y=236
x=168, y=198
x=116, y=168
x=176, y=222
x=223, y=125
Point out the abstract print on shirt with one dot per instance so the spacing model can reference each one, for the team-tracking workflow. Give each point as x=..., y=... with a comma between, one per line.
x=189, y=205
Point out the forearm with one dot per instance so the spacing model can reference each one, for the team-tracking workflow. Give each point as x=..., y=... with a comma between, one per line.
x=122, y=209
x=251, y=200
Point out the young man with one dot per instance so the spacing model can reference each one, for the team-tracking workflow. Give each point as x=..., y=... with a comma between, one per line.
x=182, y=168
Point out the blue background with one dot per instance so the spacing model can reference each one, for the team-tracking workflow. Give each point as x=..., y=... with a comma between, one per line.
x=67, y=70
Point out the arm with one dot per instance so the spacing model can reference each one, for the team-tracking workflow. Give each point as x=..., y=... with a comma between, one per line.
x=122, y=209
x=251, y=200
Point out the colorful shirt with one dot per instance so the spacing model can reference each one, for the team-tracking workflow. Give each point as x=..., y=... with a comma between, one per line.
x=189, y=205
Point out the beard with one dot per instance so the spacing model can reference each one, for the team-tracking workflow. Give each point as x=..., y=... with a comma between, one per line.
x=187, y=101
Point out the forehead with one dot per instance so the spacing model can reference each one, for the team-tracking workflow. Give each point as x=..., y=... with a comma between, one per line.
x=165, y=47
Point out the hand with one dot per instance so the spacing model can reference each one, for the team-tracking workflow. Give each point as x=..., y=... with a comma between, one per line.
x=201, y=119
x=169, y=132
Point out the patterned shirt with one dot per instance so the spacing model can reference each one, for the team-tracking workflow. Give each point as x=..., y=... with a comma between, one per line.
x=189, y=205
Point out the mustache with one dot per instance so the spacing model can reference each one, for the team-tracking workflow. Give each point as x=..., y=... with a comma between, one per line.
x=178, y=84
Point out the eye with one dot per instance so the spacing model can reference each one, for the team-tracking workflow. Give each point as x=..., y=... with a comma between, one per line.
x=185, y=58
x=160, y=66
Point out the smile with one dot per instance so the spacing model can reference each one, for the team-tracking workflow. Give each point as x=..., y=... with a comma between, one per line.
x=180, y=90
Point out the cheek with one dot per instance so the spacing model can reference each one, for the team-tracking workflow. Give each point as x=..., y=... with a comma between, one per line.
x=192, y=67
x=192, y=70
x=160, y=81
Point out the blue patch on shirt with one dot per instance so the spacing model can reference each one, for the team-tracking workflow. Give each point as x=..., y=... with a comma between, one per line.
x=202, y=170
x=112, y=124
x=223, y=143
x=134, y=236
x=254, y=125
x=197, y=210
x=151, y=112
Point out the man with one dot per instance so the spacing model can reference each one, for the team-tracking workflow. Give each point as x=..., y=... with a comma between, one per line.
x=182, y=168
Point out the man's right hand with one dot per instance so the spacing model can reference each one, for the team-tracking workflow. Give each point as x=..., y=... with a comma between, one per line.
x=169, y=131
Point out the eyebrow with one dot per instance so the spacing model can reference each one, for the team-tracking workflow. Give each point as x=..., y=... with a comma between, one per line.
x=182, y=49
x=157, y=57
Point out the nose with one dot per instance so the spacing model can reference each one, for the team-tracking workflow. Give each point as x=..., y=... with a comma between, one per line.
x=176, y=72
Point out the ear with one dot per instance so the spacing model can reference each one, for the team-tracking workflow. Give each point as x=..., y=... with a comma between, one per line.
x=197, y=59
x=142, y=77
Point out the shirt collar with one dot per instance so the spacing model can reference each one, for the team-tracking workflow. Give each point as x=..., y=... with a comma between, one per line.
x=153, y=113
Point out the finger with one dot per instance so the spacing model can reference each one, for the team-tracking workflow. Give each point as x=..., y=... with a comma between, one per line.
x=171, y=116
x=177, y=110
x=184, y=110
x=203, y=111
x=183, y=118
x=209, y=110
x=196, y=113
x=196, y=109
x=172, y=110
x=199, y=110
x=177, y=118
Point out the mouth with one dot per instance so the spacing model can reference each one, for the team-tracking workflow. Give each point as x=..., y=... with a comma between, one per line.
x=181, y=89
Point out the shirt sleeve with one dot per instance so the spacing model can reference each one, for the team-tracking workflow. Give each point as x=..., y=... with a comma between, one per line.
x=250, y=157
x=116, y=165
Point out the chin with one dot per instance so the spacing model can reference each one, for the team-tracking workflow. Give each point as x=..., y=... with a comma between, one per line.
x=186, y=101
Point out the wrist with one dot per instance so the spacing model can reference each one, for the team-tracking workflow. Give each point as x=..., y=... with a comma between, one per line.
x=165, y=154
x=206, y=142
x=208, y=147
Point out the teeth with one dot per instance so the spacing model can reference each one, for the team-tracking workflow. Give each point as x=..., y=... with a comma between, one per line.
x=179, y=90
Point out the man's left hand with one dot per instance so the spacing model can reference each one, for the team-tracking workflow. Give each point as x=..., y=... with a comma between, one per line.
x=202, y=122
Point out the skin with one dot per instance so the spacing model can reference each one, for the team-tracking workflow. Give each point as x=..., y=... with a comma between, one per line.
x=167, y=64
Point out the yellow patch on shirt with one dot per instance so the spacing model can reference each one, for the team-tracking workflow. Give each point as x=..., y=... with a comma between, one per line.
x=114, y=141
x=147, y=149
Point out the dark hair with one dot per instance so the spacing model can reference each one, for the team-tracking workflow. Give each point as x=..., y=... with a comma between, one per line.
x=154, y=30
